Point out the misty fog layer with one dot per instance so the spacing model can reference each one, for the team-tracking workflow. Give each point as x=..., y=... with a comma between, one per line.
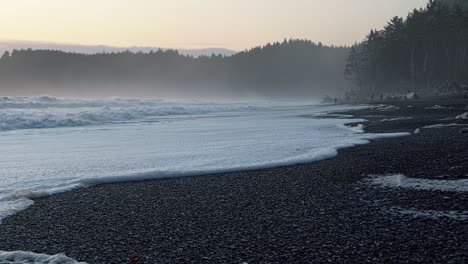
x=290, y=69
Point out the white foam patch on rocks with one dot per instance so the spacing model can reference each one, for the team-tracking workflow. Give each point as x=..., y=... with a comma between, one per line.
x=401, y=181
x=463, y=116
x=23, y=257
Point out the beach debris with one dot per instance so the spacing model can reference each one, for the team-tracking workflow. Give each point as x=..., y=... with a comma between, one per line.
x=463, y=116
x=417, y=131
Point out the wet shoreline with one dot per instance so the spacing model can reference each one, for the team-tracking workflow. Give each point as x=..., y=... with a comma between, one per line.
x=323, y=211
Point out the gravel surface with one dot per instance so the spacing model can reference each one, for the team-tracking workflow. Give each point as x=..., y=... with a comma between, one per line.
x=313, y=213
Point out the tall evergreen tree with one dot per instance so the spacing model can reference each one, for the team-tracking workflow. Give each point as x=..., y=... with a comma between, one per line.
x=424, y=52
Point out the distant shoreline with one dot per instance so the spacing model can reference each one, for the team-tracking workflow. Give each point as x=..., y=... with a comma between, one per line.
x=321, y=211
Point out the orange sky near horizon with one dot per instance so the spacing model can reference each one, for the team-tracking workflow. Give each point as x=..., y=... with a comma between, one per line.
x=233, y=24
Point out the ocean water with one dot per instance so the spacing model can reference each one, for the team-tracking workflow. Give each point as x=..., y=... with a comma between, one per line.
x=50, y=145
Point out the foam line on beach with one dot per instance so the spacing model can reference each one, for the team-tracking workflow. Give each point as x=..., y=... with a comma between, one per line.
x=401, y=181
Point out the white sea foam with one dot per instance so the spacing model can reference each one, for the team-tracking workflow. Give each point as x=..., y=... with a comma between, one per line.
x=332, y=115
x=395, y=119
x=356, y=129
x=436, y=107
x=388, y=108
x=191, y=139
x=23, y=257
x=401, y=181
x=463, y=116
x=12, y=206
x=445, y=125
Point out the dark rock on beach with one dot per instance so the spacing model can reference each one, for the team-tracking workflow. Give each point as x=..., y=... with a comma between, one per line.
x=319, y=212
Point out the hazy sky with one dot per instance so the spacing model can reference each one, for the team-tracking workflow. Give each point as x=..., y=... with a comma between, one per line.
x=234, y=24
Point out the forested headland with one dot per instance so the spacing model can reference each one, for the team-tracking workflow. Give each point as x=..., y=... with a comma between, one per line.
x=424, y=53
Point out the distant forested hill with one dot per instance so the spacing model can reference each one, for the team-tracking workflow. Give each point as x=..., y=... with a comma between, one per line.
x=292, y=68
x=426, y=52
x=9, y=45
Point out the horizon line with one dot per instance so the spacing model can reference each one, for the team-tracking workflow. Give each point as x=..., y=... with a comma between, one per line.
x=154, y=47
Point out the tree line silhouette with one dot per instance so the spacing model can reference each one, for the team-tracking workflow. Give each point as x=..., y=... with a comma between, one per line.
x=424, y=53
x=292, y=67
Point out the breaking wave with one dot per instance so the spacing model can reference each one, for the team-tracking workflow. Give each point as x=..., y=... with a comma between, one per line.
x=50, y=112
